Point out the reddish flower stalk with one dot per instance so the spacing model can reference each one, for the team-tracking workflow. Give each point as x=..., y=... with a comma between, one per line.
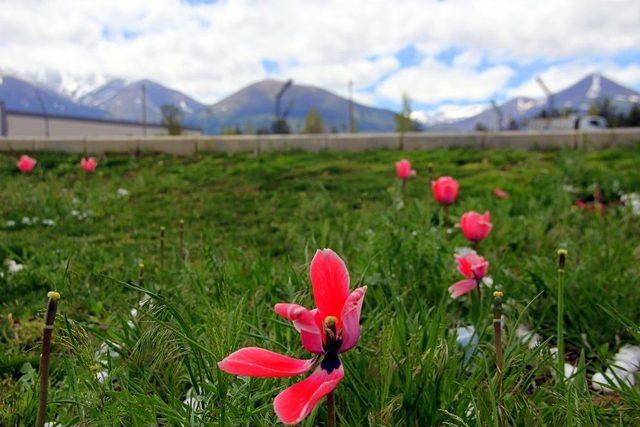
x=161, y=248
x=326, y=331
x=181, y=226
x=473, y=267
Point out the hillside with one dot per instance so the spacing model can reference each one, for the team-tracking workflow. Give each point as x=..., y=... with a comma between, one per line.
x=124, y=101
x=253, y=107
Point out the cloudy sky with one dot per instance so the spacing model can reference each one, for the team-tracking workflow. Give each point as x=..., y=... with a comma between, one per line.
x=451, y=56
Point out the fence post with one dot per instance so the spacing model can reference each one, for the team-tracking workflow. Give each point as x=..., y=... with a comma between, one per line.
x=4, y=125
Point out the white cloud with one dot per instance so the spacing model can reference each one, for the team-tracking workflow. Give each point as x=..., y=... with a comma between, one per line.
x=448, y=113
x=210, y=50
x=336, y=76
x=546, y=28
x=432, y=81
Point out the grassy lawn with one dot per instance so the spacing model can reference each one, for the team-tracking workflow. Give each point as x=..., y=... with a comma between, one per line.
x=252, y=225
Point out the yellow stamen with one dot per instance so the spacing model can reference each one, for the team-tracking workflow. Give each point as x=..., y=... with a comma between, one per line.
x=331, y=322
x=498, y=294
x=53, y=295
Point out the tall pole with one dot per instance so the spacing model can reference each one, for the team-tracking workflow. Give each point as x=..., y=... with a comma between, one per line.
x=3, y=120
x=352, y=122
x=549, y=95
x=498, y=111
x=44, y=112
x=144, y=109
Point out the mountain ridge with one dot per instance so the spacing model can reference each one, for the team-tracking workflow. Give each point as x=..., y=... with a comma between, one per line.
x=21, y=95
x=124, y=100
x=578, y=97
x=254, y=106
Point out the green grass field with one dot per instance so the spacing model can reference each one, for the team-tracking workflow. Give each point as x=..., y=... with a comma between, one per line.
x=252, y=225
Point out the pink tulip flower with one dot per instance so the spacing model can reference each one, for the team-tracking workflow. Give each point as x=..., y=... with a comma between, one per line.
x=473, y=267
x=88, y=164
x=26, y=163
x=500, y=193
x=445, y=190
x=331, y=328
x=403, y=170
x=475, y=226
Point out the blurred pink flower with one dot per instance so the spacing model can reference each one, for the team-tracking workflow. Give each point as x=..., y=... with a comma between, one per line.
x=403, y=169
x=26, y=163
x=500, y=193
x=445, y=190
x=476, y=226
x=88, y=164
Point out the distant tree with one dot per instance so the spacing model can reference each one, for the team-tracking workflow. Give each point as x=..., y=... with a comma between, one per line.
x=280, y=126
x=566, y=112
x=479, y=127
x=545, y=114
x=605, y=109
x=172, y=119
x=404, y=122
x=513, y=125
x=633, y=119
x=230, y=130
x=313, y=122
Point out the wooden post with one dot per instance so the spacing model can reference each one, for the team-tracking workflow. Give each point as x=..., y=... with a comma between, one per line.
x=49, y=318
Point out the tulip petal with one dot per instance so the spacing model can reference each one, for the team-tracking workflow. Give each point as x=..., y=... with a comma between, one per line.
x=351, y=319
x=462, y=287
x=307, y=322
x=464, y=266
x=472, y=265
x=296, y=402
x=258, y=362
x=330, y=280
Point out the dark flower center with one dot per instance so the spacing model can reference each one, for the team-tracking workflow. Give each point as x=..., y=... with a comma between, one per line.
x=330, y=362
x=331, y=344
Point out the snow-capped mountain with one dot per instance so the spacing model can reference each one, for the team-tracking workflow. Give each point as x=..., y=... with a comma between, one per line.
x=103, y=93
x=20, y=95
x=124, y=100
x=514, y=109
x=578, y=97
x=252, y=107
x=582, y=94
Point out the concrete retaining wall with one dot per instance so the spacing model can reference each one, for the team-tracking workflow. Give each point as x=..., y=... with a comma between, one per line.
x=187, y=145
